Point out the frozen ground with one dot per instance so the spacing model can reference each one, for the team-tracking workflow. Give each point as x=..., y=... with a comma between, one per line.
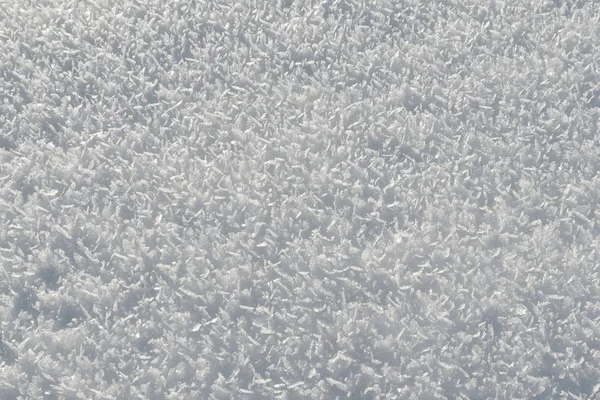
x=264, y=199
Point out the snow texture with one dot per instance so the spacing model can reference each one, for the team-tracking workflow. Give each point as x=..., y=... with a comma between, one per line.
x=261, y=199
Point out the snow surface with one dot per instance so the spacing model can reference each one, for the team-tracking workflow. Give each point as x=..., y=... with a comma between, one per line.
x=260, y=199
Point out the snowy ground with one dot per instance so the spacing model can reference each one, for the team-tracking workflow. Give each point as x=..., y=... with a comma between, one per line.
x=263, y=199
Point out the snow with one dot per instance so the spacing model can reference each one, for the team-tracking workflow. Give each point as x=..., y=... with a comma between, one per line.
x=306, y=200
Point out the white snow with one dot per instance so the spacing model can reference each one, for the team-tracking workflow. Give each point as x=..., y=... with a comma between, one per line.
x=311, y=199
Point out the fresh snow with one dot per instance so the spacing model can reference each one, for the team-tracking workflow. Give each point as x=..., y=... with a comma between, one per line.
x=264, y=199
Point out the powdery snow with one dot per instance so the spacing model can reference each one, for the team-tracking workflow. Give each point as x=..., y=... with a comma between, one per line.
x=266, y=199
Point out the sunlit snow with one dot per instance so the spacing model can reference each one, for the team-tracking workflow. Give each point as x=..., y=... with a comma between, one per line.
x=284, y=199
